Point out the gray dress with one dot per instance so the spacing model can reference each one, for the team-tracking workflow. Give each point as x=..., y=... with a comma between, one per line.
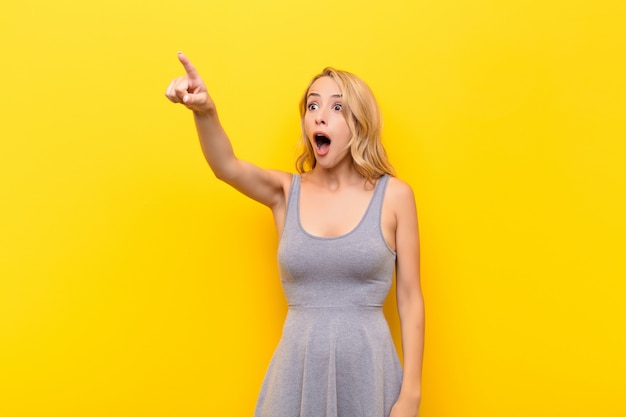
x=336, y=357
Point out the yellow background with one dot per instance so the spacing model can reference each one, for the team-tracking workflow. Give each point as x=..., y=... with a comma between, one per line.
x=133, y=283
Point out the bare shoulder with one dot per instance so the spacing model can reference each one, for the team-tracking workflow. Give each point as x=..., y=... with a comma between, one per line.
x=400, y=194
x=399, y=217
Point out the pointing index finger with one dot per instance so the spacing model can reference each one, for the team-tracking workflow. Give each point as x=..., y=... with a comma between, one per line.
x=189, y=68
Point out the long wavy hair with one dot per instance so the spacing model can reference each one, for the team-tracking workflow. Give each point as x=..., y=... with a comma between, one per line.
x=364, y=120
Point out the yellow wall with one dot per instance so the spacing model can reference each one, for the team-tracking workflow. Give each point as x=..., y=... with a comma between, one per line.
x=133, y=283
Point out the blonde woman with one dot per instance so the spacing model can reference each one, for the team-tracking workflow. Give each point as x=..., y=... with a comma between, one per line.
x=346, y=224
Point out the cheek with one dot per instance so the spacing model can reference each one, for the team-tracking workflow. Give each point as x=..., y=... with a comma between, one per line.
x=338, y=120
x=308, y=119
x=345, y=127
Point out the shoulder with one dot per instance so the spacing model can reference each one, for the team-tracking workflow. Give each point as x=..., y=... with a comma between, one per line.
x=400, y=198
x=399, y=190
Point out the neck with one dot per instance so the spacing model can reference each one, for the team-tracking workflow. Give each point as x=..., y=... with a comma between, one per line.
x=336, y=177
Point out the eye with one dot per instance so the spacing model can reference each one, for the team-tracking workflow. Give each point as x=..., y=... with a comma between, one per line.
x=337, y=107
x=312, y=106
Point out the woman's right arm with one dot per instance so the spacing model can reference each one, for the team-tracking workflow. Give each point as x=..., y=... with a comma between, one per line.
x=264, y=186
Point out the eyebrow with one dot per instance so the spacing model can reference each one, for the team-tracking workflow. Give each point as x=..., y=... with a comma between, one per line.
x=318, y=95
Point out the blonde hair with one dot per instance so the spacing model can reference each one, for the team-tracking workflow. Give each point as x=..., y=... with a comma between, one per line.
x=362, y=115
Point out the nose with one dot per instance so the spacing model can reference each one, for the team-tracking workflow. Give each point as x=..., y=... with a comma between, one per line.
x=320, y=117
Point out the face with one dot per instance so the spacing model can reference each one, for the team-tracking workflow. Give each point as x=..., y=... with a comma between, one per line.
x=324, y=123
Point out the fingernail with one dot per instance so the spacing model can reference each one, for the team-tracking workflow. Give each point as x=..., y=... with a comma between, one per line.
x=186, y=98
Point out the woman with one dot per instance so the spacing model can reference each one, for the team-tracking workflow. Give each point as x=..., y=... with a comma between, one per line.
x=345, y=224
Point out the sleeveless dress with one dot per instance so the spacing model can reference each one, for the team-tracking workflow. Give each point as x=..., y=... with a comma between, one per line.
x=336, y=357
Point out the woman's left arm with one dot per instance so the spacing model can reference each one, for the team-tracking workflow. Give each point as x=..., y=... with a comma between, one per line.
x=410, y=301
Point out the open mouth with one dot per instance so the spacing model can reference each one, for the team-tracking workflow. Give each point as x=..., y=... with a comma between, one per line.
x=322, y=142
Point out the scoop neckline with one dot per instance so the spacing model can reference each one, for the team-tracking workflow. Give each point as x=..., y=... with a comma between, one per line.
x=344, y=235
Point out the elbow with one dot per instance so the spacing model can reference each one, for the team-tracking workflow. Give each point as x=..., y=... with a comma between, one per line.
x=223, y=171
x=220, y=175
x=223, y=176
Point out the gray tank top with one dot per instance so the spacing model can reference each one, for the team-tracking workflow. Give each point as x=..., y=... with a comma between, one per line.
x=354, y=269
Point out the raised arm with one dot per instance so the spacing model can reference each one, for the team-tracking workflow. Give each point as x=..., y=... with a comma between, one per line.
x=410, y=300
x=265, y=186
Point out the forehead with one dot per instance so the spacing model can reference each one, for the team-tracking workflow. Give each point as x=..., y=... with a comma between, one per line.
x=325, y=86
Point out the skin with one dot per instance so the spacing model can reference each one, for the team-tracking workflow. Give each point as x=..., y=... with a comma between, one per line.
x=334, y=197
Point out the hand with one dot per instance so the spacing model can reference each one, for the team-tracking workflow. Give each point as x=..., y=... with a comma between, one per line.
x=405, y=409
x=190, y=89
